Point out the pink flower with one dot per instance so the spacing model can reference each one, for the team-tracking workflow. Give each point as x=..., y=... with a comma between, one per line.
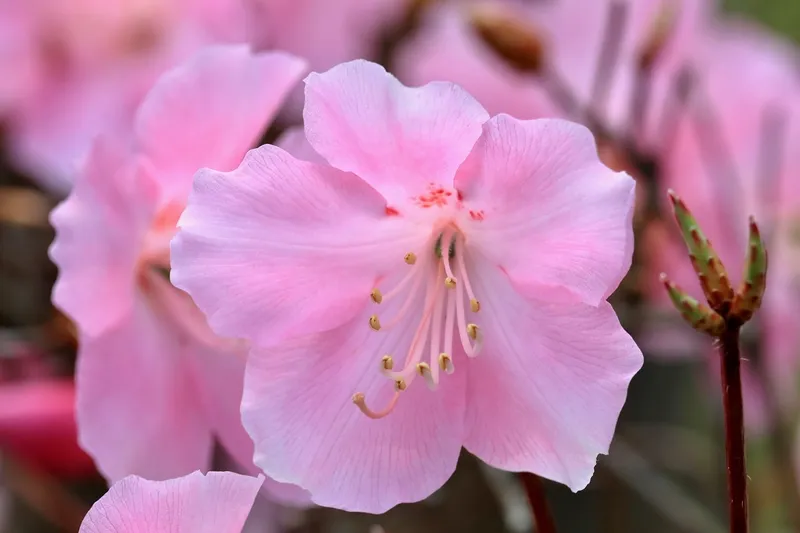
x=70, y=70
x=155, y=386
x=572, y=33
x=217, y=502
x=731, y=158
x=323, y=32
x=436, y=245
x=37, y=426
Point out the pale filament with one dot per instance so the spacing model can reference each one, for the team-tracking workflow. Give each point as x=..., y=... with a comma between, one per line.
x=421, y=335
x=447, y=290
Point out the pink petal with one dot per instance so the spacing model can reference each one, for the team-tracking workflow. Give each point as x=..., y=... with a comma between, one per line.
x=552, y=213
x=297, y=407
x=280, y=247
x=398, y=139
x=210, y=110
x=294, y=141
x=220, y=378
x=547, y=388
x=324, y=32
x=97, y=228
x=217, y=502
x=138, y=411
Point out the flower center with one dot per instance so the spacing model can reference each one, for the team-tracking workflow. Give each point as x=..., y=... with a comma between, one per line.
x=155, y=252
x=442, y=276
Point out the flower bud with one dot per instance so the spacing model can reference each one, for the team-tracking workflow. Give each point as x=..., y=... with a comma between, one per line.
x=709, y=268
x=518, y=43
x=700, y=316
x=660, y=32
x=754, y=283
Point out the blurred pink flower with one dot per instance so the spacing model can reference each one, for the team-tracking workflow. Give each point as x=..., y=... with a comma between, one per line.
x=732, y=157
x=323, y=32
x=70, y=70
x=37, y=426
x=154, y=384
x=490, y=246
x=573, y=34
x=217, y=502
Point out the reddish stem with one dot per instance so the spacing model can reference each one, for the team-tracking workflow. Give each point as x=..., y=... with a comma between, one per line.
x=734, y=430
x=542, y=516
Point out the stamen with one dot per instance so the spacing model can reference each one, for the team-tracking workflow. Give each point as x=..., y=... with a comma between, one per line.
x=474, y=304
x=423, y=329
x=424, y=370
x=449, y=322
x=375, y=323
x=399, y=287
x=432, y=378
x=360, y=401
x=410, y=258
x=446, y=363
x=443, y=312
x=450, y=280
x=463, y=329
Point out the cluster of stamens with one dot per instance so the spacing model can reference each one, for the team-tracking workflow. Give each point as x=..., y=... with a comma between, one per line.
x=442, y=275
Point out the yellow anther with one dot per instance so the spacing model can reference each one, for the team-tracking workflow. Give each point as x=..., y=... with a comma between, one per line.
x=374, y=322
x=475, y=305
x=376, y=296
x=400, y=385
x=423, y=368
x=449, y=282
x=446, y=363
x=387, y=362
x=358, y=398
x=473, y=331
x=410, y=258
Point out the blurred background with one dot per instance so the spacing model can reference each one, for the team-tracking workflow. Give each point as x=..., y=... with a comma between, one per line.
x=665, y=472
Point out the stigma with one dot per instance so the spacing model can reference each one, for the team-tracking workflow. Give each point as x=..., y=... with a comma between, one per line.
x=447, y=316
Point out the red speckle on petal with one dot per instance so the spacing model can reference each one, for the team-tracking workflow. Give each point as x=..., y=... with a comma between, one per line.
x=477, y=215
x=460, y=196
x=436, y=196
x=392, y=212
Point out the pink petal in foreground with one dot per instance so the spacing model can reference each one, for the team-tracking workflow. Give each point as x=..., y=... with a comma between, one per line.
x=217, y=502
x=546, y=210
x=282, y=247
x=297, y=407
x=546, y=401
x=396, y=138
x=137, y=407
x=210, y=110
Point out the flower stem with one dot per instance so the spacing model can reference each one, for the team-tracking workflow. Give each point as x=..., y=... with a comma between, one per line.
x=542, y=516
x=734, y=430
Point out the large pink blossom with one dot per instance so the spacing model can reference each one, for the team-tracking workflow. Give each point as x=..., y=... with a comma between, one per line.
x=732, y=157
x=217, y=502
x=154, y=384
x=573, y=34
x=435, y=247
x=70, y=70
